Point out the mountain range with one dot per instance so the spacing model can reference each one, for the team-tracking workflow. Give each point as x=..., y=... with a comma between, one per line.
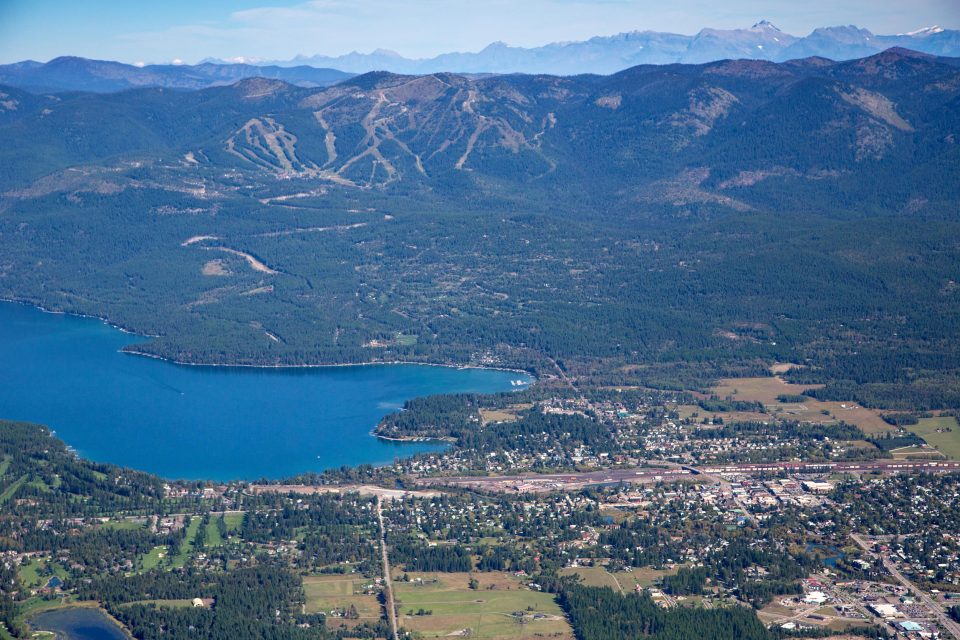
x=600, y=55
x=609, y=54
x=641, y=125
x=69, y=73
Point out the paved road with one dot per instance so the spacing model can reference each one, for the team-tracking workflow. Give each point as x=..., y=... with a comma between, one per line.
x=946, y=621
x=387, y=580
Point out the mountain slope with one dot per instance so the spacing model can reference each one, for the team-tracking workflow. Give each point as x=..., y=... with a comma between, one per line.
x=379, y=129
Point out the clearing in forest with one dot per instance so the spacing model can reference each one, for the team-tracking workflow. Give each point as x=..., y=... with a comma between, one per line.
x=501, y=607
x=334, y=595
x=941, y=432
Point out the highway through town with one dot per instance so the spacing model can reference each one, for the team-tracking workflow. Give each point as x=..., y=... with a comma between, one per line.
x=921, y=595
x=387, y=579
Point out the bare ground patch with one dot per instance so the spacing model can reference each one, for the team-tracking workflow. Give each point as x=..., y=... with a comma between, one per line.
x=216, y=268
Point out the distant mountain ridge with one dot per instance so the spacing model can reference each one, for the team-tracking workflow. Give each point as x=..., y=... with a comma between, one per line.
x=609, y=54
x=70, y=73
x=600, y=55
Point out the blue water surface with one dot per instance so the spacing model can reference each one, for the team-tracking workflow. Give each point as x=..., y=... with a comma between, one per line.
x=78, y=624
x=216, y=423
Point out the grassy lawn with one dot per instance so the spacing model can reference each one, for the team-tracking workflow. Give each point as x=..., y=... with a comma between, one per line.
x=594, y=577
x=234, y=522
x=153, y=559
x=186, y=547
x=645, y=577
x=12, y=489
x=917, y=453
x=124, y=525
x=173, y=604
x=625, y=581
x=30, y=573
x=942, y=433
x=39, y=485
x=35, y=574
x=326, y=593
x=486, y=611
x=497, y=415
x=5, y=465
x=36, y=605
x=214, y=539
x=507, y=414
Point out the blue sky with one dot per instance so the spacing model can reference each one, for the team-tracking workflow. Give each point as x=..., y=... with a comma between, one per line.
x=189, y=30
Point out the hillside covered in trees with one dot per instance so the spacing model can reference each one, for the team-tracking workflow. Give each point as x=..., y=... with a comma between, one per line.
x=662, y=226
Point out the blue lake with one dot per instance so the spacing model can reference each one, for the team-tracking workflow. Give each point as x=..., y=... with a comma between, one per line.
x=216, y=423
x=78, y=624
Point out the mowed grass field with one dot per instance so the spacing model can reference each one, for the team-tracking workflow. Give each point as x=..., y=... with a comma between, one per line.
x=326, y=593
x=644, y=577
x=234, y=522
x=507, y=414
x=942, y=432
x=12, y=489
x=763, y=390
x=214, y=539
x=766, y=391
x=624, y=581
x=690, y=410
x=186, y=546
x=595, y=577
x=124, y=525
x=150, y=561
x=37, y=572
x=487, y=611
x=170, y=604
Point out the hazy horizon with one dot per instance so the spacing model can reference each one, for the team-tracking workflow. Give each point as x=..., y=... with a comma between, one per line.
x=182, y=31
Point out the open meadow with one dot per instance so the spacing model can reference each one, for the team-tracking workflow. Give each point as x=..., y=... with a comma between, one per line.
x=334, y=595
x=501, y=607
x=941, y=432
x=768, y=390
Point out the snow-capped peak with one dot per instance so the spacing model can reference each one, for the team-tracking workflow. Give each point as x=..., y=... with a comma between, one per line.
x=926, y=31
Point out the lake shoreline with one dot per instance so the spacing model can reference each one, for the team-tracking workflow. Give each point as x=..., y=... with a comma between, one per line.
x=381, y=363
x=187, y=363
x=69, y=607
x=55, y=312
x=406, y=439
x=214, y=421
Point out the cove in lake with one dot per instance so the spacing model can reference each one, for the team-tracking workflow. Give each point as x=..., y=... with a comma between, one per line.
x=78, y=624
x=217, y=423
